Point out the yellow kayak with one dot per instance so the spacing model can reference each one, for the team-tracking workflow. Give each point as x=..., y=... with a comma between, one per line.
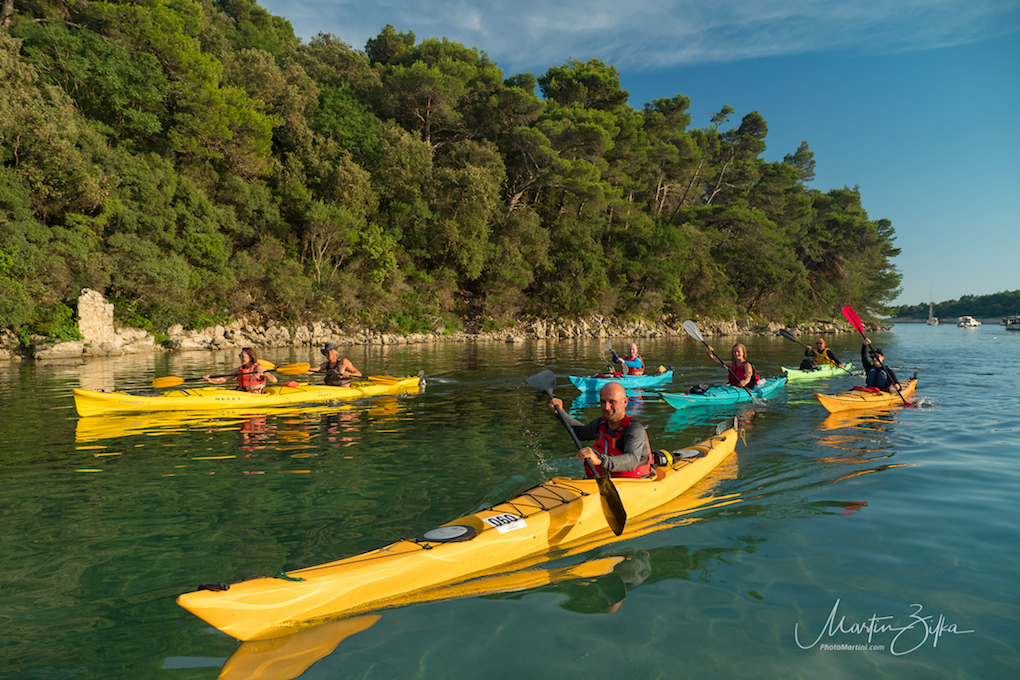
x=555, y=516
x=856, y=399
x=95, y=402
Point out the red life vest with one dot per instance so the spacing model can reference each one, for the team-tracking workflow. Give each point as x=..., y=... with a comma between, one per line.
x=738, y=373
x=635, y=371
x=249, y=381
x=607, y=444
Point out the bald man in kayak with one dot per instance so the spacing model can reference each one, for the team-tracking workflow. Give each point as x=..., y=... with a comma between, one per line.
x=621, y=445
x=632, y=364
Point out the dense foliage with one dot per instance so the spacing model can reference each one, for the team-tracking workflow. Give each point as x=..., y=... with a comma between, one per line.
x=194, y=161
x=994, y=306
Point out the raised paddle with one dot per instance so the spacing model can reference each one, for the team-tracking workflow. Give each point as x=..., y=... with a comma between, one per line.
x=789, y=336
x=608, y=347
x=851, y=316
x=173, y=381
x=693, y=331
x=612, y=506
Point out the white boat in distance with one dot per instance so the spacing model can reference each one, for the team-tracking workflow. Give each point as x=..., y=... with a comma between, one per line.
x=1012, y=323
x=968, y=322
x=932, y=319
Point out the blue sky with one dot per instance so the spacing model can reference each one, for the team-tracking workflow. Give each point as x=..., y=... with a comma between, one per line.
x=917, y=102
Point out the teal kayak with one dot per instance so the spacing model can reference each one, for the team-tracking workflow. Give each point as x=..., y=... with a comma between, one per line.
x=597, y=382
x=724, y=394
x=820, y=372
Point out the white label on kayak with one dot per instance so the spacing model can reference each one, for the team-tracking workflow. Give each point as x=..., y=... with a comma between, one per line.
x=505, y=522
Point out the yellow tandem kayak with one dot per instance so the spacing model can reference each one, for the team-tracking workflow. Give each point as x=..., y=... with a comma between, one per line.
x=95, y=402
x=856, y=399
x=553, y=516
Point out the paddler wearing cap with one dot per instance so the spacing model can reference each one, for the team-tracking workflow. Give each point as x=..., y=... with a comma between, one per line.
x=878, y=374
x=339, y=370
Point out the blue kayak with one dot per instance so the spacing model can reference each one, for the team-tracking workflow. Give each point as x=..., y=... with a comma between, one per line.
x=724, y=394
x=596, y=383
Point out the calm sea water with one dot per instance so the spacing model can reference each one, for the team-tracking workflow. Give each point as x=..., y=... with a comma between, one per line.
x=902, y=522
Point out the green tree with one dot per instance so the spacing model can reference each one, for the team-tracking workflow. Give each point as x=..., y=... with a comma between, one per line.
x=121, y=92
x=389, y=44
x=591, y=85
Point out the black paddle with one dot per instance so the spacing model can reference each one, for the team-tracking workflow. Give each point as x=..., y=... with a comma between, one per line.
x=789, y=336
x=693, y=331
x=612, y=506
x=851, y=316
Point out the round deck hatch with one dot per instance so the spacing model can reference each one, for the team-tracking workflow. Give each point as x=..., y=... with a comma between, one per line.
x=448, y=534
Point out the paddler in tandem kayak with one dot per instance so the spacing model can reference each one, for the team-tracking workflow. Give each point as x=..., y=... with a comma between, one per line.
x=339, y=370
x=621, y=444
x=632, y=363
x=819, y=356
x=251, y=375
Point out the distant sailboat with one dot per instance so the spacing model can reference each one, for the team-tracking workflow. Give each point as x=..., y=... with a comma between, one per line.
x=932, y=320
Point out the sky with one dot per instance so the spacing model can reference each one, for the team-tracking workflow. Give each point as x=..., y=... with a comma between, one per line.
x=916, y=102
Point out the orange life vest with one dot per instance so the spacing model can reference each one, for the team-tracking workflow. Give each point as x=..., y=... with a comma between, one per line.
x=249, y=381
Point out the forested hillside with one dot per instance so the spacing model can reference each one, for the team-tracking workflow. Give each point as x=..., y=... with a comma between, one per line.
x=196, y=162
x=993, y=306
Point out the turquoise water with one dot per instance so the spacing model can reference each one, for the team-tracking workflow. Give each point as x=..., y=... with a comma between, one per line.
x=889, y=518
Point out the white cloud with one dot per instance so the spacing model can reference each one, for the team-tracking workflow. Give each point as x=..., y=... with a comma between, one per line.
x=643, y=35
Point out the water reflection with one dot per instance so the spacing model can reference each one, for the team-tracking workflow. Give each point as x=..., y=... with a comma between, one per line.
x=636, y=400
x=863, y=435
x=687, y=418
x=256, y=428
x=597, y=585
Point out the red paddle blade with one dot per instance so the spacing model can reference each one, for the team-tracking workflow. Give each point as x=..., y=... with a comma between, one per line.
x=851, y=316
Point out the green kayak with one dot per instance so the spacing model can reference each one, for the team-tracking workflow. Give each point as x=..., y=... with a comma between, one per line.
x=820, y=372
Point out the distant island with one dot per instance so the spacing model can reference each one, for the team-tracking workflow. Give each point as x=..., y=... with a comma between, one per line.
x=983, y=307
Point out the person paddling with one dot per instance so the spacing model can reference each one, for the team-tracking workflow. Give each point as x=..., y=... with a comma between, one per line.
x=878, y=374
x=251, y=375
x=632, y=363
x=339, y=370
x=621, y=444
x=822, y=355
x=740, y=370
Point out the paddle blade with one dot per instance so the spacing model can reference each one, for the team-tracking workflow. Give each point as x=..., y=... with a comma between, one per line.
x=788, y=335
x=851, y=316
x=612, y=506
x=692, y=330
x=294, y=369
x=167, y=381
x=384, y=379
x=608, y=347
x=268, y=365
x=543, y=381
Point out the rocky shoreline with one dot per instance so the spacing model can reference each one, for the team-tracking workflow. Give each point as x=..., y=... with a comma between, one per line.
x=102, y=338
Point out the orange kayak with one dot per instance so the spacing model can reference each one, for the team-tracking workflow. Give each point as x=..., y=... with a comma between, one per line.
x=858, y=399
